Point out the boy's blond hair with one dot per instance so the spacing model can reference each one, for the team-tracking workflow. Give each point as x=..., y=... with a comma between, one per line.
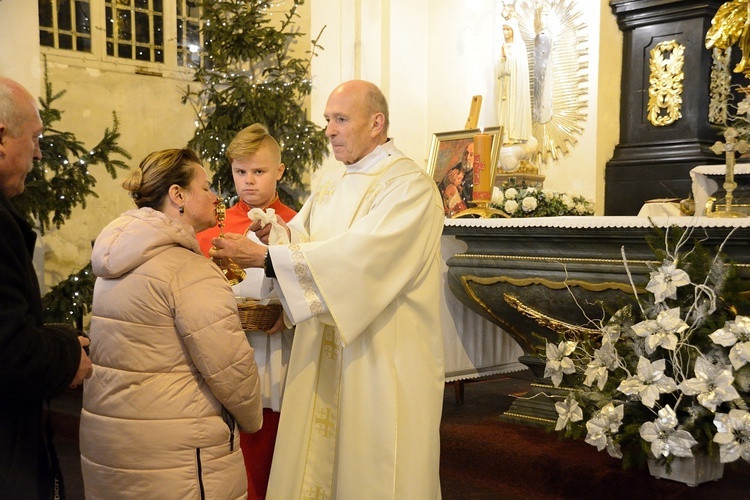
x=249, y=140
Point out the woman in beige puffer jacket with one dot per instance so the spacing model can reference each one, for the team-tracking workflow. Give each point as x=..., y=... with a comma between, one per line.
x=173, y=372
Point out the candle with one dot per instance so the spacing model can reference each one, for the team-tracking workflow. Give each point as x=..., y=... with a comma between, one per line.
x=482, y=168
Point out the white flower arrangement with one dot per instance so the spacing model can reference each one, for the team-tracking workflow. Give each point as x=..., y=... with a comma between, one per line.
x=523, y=201
x=670, y=374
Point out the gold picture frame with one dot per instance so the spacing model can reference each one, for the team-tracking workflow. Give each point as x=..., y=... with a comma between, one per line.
x=448, y=151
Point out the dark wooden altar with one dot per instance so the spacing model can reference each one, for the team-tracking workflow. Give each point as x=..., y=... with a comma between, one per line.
x=537, y=277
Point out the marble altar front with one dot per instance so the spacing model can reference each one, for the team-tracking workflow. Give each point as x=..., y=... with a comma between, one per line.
x=474, y=346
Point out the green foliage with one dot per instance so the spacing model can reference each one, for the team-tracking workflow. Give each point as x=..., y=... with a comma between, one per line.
x=248, y=76
x=68, y=301
x=519, y=200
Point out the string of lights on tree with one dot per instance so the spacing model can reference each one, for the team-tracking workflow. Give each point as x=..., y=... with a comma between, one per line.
x=246, y=76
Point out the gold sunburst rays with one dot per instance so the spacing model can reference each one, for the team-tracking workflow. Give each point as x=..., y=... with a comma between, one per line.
x=569, y=73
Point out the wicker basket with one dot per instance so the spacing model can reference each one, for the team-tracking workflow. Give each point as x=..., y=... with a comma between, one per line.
x=255, y=316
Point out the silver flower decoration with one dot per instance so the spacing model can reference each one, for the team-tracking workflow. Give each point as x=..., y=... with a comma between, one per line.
x=712, y=384
x=735, y=334
x=602, y=426
x=558, y=361
x=733, y=435
x=649, y=383
x=661, y=332
x=567, y=411
x=664, y=437
x=665, y=281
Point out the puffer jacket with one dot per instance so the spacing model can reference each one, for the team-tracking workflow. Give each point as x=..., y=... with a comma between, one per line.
x=173, y=370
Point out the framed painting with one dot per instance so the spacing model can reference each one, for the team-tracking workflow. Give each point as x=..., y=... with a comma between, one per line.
x=451, y=165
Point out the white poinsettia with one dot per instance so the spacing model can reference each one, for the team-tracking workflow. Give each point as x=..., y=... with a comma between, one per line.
x=662, y=331
x=712, y=384
x=558, y=362
x=605, y=360
x=649, y=382
x=665, y=280
x=602, y=426
x=733, y=435
x=664, y=436
x=735, y=334
x=567, y=411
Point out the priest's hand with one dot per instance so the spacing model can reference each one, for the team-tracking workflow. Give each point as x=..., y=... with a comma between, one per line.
x=240, y=249
x=263, y=232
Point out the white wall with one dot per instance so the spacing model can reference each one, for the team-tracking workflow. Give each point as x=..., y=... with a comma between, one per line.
x=442, y=52
x=19, y=39
x=429, y=57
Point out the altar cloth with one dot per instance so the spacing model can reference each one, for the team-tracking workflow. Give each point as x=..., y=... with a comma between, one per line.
x=703, y=186
x=580, y=222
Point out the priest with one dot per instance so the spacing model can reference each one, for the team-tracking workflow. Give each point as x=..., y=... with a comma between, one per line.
x=361, y=280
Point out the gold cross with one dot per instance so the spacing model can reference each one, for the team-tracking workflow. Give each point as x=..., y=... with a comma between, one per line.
x=330, y=346
x=326, y=420
x=729, y=147
x=316, y=493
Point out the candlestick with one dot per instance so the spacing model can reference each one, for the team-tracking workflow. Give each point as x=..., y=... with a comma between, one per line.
x=728, y=148
x=482, y=168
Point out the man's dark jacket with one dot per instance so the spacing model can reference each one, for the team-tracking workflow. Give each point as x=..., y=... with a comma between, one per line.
x=36, y=363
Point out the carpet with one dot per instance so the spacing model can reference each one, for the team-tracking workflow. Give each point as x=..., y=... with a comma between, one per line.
x=484, y=458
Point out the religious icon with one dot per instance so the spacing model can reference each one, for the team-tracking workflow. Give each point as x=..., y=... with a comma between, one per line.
x=451, y=165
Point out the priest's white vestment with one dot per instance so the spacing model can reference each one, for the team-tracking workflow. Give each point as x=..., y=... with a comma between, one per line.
x=362, y=406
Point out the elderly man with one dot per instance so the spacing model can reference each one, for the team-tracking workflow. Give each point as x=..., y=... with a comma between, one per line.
x=361, y=280
x=36, y=361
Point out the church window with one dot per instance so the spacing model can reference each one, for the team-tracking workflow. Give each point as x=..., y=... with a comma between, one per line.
x=151, y=34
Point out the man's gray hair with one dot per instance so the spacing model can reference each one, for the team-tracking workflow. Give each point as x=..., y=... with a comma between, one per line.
x=378, y=103
x=11, y=113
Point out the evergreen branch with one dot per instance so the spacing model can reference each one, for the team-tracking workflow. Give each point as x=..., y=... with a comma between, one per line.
x=68, y=301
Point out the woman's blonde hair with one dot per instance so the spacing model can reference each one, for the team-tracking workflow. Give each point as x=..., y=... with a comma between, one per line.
x=149, y=184
x=249, y=140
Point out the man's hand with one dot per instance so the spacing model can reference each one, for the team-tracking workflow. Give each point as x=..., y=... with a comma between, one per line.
x=85, y=368
x=240, y=249
x=261, y=232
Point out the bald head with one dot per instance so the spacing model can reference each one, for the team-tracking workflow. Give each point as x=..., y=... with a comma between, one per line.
x=357, y=117
x=20, y=128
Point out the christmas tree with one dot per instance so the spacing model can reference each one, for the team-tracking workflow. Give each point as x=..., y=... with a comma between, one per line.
x=247, y=75
x=57, y=184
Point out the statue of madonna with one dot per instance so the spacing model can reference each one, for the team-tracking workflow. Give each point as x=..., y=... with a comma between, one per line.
x=512, y=86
